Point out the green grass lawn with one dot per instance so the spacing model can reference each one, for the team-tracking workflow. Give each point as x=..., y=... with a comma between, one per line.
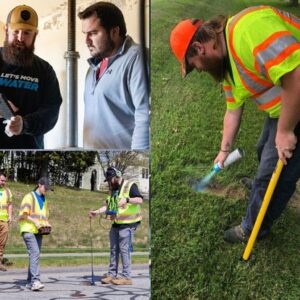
x=189, y=258
x=71, y=226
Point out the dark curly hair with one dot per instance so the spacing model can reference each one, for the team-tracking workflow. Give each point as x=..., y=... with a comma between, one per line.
x=109, y=15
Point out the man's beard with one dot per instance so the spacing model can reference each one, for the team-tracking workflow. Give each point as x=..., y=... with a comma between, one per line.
x=17, y=54
x=108, y=50
x=115, y=187
x=217, y=69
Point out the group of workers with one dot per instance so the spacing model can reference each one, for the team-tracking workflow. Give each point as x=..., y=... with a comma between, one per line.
x=123, y=207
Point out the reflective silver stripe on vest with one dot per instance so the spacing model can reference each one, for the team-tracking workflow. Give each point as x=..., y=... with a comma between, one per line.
x=268, y=95
x=5, y=206
x=40, y=217
x=272, y=51
x=125, y=187
x=228, y=95
x=128, y=217
x=33, y=202
x=26, y=205
x=291, y=18
x=254, y=87
x=33, y=214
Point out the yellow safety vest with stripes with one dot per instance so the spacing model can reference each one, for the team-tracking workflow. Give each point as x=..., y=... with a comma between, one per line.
x=131, y=213
x=5, y=200
x=30, y=205
x=263, y=45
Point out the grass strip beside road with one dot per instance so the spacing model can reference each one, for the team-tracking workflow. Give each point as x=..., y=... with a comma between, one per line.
x=67, y=261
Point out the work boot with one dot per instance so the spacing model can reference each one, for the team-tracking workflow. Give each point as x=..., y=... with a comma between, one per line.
x=2, y=268
x=235, y=235
x=106, y=279
x=122, y=281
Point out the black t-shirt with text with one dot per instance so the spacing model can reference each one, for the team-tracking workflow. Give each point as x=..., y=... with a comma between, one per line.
x=35, y=92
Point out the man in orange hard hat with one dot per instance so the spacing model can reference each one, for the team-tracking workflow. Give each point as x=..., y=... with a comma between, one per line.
x=260, y=65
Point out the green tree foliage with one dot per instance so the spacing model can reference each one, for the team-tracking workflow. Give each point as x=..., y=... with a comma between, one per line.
x=76, y=163
x=122, y=159
x=64, y=167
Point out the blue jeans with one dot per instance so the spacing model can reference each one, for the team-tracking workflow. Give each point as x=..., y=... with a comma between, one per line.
x=268, y=157
x=120, y=244
x=33, y=244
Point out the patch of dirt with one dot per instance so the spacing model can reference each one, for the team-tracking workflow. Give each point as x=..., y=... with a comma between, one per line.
x=231, y=191
x=239, y=192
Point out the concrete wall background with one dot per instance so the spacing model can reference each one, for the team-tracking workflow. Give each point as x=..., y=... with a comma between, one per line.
x=51, y=45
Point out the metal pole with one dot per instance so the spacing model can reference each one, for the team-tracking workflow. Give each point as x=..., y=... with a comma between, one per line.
x=143, y=28
x=71, y=57
x=92, y=255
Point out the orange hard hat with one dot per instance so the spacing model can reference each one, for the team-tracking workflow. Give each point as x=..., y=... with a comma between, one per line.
x=180, y=39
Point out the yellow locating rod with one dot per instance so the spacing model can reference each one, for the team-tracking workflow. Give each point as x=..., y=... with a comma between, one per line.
x=263, y=209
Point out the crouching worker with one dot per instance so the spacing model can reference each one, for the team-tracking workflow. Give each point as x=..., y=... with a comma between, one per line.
x=123, y=208
x=33, y=219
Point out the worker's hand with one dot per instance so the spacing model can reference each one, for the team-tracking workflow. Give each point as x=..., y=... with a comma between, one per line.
x=122, y=203
x=285, y=143
x=221, y=157
x=14, y=125
x=92, y=213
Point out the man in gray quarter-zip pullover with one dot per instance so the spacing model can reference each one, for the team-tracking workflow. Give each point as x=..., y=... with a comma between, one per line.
x=116, y=97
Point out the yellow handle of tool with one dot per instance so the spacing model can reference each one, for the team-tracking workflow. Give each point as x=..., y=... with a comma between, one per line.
x=263, y=210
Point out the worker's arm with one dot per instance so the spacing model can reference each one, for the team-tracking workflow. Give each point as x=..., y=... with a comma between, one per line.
x=10, y=210
x=140, y=98
x=38, y=118
x=135, y=197
x=99, y=211
x=231, y=125
x=131, y=200
x=289, y=115
x=25, y=217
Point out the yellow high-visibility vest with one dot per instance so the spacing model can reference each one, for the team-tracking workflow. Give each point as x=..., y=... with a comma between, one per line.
x=31, y=206
x=263, y=45
x=131, y=213
x=5, y=200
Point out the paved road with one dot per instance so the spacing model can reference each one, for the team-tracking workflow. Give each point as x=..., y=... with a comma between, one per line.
x=74, y=283
x=99, y=254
